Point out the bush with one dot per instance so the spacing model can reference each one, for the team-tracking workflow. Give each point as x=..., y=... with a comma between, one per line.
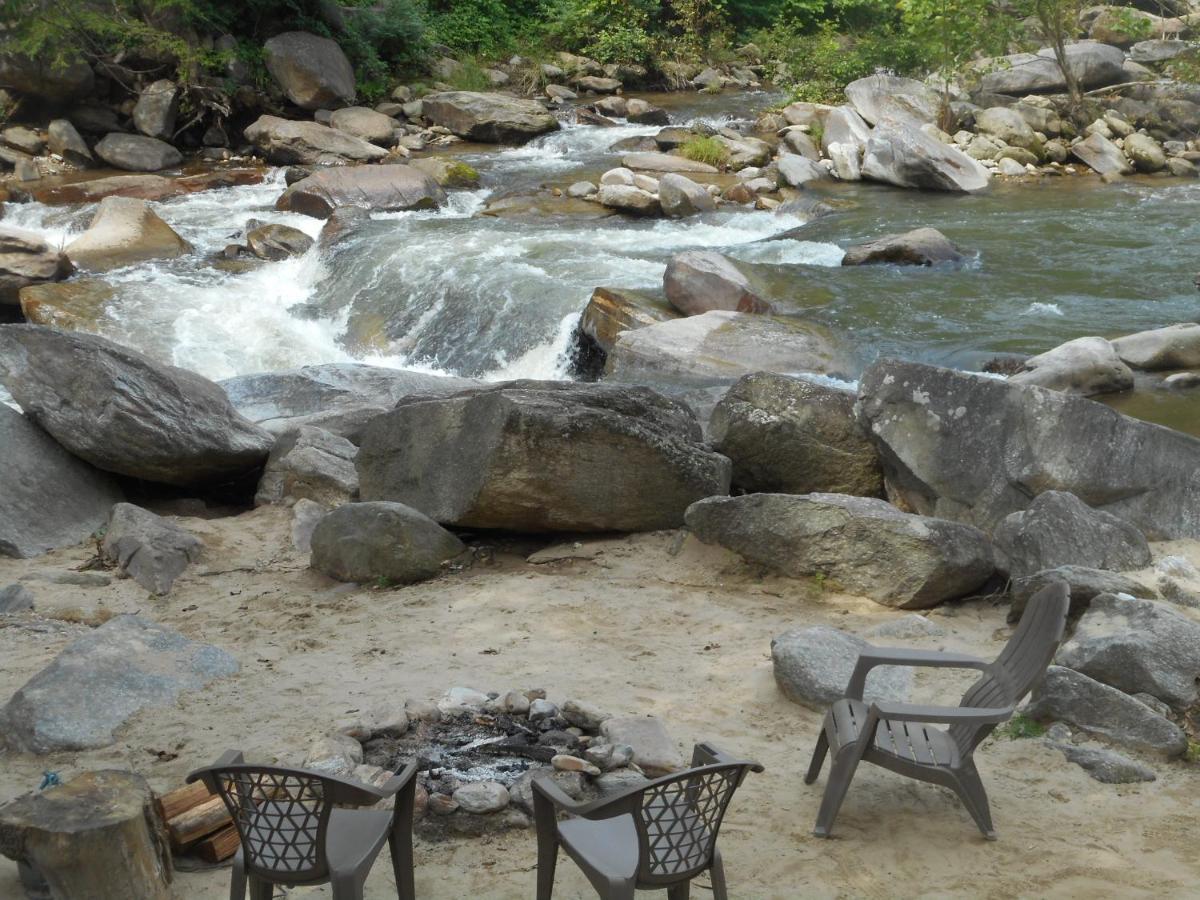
x=708, y=150
x=820, y=65
x=469, y=76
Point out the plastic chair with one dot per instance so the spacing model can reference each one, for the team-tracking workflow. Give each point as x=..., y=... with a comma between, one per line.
x=295, y=831
x=657, y=835
x=902, y=736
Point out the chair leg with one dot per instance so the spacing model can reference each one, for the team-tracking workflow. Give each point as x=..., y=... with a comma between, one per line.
x=237, y=882
x=400, y=844
x=840, y=775
x=260, y=889
x=681, y=891
x=969, y=787
x=716, y=874
x=818, y=758
x=547, y=860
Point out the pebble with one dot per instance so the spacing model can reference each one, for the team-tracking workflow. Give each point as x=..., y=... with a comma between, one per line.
x=542, y=709
x=442, y=804
x=516, y=703
x=566, y=763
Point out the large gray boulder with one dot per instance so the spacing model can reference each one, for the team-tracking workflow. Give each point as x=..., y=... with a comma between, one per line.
x=629, y=199
x=48, y=498
x=367, y=541
x=919, y=247
x=542, y=456
x=312, y=71
x=26, y=258
x=1065, y=695
x=274, y=241
x=103, y=679
x=1008, y=126
x=699, y=281
x=1094, y=65
x=125, y=413
x=680, y=196
x=813, y=666
x=719, y=347
x=902, y=155
x=797, y=171
x=63, y=139
x=151, y=550
x=1085, y=585
x=1059, y=529
x=366, y=124
x=486, y=117
x=156, y=109
x=337, y=397
x=1138, y=646
x=377, y=188
x=880, y=97
x=790, y=436
x=125, y=231
x=284, y=142
x=974, y=449
x=1173, y=347
x=309, y=463
x=844, y=140
x=1086, y=365
x=137, y=153
x=865, y=545
x=1102, y=155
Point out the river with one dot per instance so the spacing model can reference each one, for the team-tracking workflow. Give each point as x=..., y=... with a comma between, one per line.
x=459, y=292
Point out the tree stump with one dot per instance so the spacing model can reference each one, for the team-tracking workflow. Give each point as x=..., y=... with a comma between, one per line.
x=98, y=836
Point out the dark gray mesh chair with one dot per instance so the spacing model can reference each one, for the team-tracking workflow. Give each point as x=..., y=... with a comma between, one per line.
x=657, y=835
x=295, y=829
x=904, y=737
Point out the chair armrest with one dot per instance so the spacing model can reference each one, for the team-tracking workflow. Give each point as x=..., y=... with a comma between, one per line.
x=396, y=782
x=544, y=785
x=707, y=754
x=626, y=801
x=900, y=656
x=946, y=715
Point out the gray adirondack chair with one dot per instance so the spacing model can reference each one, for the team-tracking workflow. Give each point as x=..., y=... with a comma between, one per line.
x=295, y=830
x=904, y=737
x=657, y=835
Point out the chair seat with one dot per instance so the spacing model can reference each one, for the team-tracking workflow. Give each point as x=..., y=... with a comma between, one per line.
x=606, y=845
x=914, y=743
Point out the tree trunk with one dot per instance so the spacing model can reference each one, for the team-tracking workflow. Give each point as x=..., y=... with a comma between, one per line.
x=98, y=836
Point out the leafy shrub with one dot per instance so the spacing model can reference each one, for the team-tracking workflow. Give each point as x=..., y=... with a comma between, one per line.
x=620, y=44
x=469, y=76
x=1020, y=726
x=820, y=65
x=705, y=149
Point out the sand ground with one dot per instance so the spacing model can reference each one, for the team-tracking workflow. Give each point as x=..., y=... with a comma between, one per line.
x=641, y=624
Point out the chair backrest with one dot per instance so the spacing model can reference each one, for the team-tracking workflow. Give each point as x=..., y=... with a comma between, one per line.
x=678, y=820
x=1020, y=664
x=281, y=816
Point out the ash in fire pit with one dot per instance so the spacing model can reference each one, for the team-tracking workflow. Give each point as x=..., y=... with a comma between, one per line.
x=477, y=754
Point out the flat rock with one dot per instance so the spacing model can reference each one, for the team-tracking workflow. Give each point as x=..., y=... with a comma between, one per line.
x=104, y=678
x=309, y=463
x=366, y=124
x=284, y=142
x=137, y=153
x=123, y=232
x=151, y=550
x=655, y=752
x=665, y=162
x=866, y=545
x=1101, y=155
x=1104, y=765
x=362, y=542
x=1086, y=365
x=813, y=666
x=376, y=188
x=486, y=117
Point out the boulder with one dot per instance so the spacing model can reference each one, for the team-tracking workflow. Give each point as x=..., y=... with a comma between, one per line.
x=63, y=139
x=489, y=118
x=906, y=157
x=974, y=449
x=745, y=151
x=800, y=143
x=655, y=752
x=1145, y=153
x=1085, y=585
x=719, y=347
x=1173, y=347
x=123, y=232
x=1137, y=646
x=25, y=259
x=542, y=456
x=1101, y=155
x=866, y=545
x=144, y=187
x=844, y=140
x=137, y=153
x=284, y=142
x=368, y=541
x=813, y=666
x=797, y=171
x=1008, y=126
x=312, y=71
x=598, y=85
x=274, y=241
x=151, y=550
x=919, y=247
x=1065, y=695
x=1086, y=365
x=699, y=281
x=156, y=109
x=28, y=141
x=1106, y=766
x=338, y=397
x=15, y=599
x=48, y=498
x=643, y=113
x=880, y=97
x=629, y=199
x=611, y=311
x=377, y=188
x=365, y=124
x=665, y=162
x=75, y=305
x=1059, y=529
x=57, y=80
x=125, y=413
x=1159, y=50
x=102, y=679
x=790, y=436
x=309, y=463
x=1094, y=65
x=680, y=196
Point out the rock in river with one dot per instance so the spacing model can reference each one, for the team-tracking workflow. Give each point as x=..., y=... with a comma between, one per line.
x=900, y=154
x=866, y=545
x=125, y=413
x=919, y=247
x=137, y=153
x=542, y=456
x=699, y=281
x=365, y=541
x=284, y=142
x=880, y=97
x=614, y=310
x=381, y=188
x=1086, y=365
x=1173, y=347
x=125, y=231
x=490, y=118
x=26, y=258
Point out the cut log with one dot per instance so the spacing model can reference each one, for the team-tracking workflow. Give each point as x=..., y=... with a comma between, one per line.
x=219, y=846
x=188, y=827
x=98, y=836
x=180, y=800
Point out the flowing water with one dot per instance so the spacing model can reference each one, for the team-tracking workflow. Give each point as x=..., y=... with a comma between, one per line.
x=459, y=292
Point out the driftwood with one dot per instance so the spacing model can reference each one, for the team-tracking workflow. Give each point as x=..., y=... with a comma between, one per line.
x=98, y=836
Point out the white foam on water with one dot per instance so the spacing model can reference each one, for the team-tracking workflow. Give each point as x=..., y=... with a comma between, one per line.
x=1043, y=309
x=547, y=361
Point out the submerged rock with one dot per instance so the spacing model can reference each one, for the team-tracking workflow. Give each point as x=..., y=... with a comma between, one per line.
x=151, y=550
x=542, y=456
x=367, y=541
x=490, y=118
x=813, y=666
x=919, y=247
x=866, y=545
x=123, y=232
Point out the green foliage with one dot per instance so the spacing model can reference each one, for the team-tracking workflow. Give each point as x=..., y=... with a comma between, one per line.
x=469, y=76
x=487, y=27
x=1192, y=753
x=947, y=33
x=1020, y=726
x=820, y=65
x=704, y=149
